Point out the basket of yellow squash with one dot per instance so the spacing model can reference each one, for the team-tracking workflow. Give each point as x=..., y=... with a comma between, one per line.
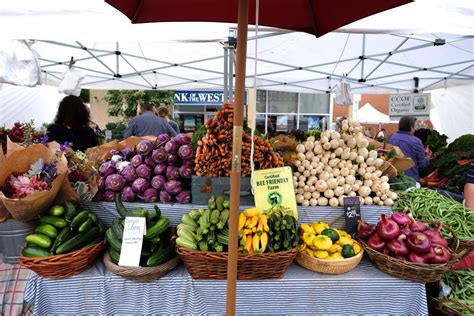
x=327, y=250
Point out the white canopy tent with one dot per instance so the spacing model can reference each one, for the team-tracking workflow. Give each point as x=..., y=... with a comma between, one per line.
x=114, y=54
x=367, y=114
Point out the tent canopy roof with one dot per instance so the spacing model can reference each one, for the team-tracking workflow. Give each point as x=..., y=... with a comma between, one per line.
x=114, y=54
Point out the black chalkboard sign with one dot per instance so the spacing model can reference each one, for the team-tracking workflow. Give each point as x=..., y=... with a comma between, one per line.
x=351, y=214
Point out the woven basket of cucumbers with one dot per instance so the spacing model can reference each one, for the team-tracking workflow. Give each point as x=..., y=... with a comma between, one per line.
x=268, y=242
x=67, y=242
x=327, y=249
x=158, y=256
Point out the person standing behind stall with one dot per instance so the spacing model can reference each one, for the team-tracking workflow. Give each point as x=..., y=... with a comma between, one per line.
x=164, y=113
x=147, y=123
x=410, y=145
x=72, y=125
x=469, y=187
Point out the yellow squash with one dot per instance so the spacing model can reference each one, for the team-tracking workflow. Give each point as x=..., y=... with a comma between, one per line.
x=318, y=227
x=322, y=242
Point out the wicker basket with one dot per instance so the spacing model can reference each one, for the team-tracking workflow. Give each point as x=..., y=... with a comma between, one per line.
x=66, y=265
x=424, y=273
x=141, y=274
x=329, y=266
x=213, y=265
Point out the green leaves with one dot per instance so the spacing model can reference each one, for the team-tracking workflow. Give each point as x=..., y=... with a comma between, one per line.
x=126, y=102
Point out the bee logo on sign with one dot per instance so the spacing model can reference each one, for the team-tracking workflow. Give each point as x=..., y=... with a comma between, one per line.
x=274, y=199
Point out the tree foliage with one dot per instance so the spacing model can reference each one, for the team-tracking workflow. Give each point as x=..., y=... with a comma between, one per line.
x=125, y=102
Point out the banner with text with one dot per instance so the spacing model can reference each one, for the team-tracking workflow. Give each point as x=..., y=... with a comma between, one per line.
x=417, y=105
x=200, y=97
x=273, y=188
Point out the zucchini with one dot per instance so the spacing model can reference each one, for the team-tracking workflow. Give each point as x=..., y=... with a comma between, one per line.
x=185, y=232
x=119, y=206
x=64, y=235
x=56, y=210
x=195, y=214
x=86, y=225
x=222, y=239
x=114, y=255
x=155, y=214
x=157, y=229
x=211, y=237
x=78, y=241
x=186, y=219
x=35, y=252
x=226, y=204
x=53, y=220
x=158, y=245
x=215, y=216
x=70, y=211
x=160, y=256
x=155, y=240
x=223, y=217
x=183, y=242
x=117, y=229
x=79, y=219
x=219, y=203
x=38, y=240
x=113, y=242
x=211, y=203
x=47, y=229
x=203, y=245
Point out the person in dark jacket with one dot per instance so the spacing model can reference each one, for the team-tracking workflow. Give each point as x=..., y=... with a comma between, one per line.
x=72, y=125
x=410, y=145
x=147, y=123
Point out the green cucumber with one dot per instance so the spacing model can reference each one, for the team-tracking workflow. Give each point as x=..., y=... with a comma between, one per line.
x=38, y=240
x=64, y=235
x=155, y=240
x=183, y=242
x=211, y=203
x=226, y=204
x=119, y=206
x=154, y=214
x=86, y=225
x=79, y=219
x=98, y=222
x=78, y=241
x=223, y=217
x=160, y=256
x=187, y=233
x=138, y=212
x=56, y=210
x=114, y=255
x=157, y=229
x=158, y=245
x=70, y=211
x=215, y=216
x=113, y=242
x=203, y=245
x=117, y=229
x=47, y=229
x=95, y=241
x=35, y=252
x=53, y=220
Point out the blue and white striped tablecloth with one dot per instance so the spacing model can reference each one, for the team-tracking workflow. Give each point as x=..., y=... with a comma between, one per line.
x=365, y=290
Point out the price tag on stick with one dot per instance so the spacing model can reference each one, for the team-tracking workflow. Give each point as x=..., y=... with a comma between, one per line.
x=352, y=214
x=132, y=241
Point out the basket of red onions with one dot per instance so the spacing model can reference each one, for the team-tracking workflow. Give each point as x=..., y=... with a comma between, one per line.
x=409, y=249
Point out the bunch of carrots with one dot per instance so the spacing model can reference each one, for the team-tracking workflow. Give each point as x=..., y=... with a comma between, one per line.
x=214, y=151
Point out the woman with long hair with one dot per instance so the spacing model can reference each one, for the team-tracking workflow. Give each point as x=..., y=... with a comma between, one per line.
x=72, y=125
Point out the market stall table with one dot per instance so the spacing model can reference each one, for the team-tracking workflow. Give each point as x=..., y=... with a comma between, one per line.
x=363, y=290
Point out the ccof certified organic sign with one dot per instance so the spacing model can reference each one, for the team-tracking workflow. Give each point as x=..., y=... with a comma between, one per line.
x=273, y=188
x=132, y=241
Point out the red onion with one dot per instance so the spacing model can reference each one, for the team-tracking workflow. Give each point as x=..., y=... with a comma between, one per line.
x=376, y=243
x=416, y=258
x=387, y=228
x=417, y=226
x=418, y=243
x=365, y=230
x=441, y=254
x=405, y=229
x=400, y=218
x=387, y=252
x=434, y=235
x=398, y=246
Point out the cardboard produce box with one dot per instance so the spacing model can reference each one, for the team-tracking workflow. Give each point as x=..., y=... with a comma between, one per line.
x=203, y=187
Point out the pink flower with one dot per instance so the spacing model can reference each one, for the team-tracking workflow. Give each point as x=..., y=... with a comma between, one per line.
x=25, y=186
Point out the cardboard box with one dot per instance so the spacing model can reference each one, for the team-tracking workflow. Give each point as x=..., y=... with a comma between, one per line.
x=203, y=187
